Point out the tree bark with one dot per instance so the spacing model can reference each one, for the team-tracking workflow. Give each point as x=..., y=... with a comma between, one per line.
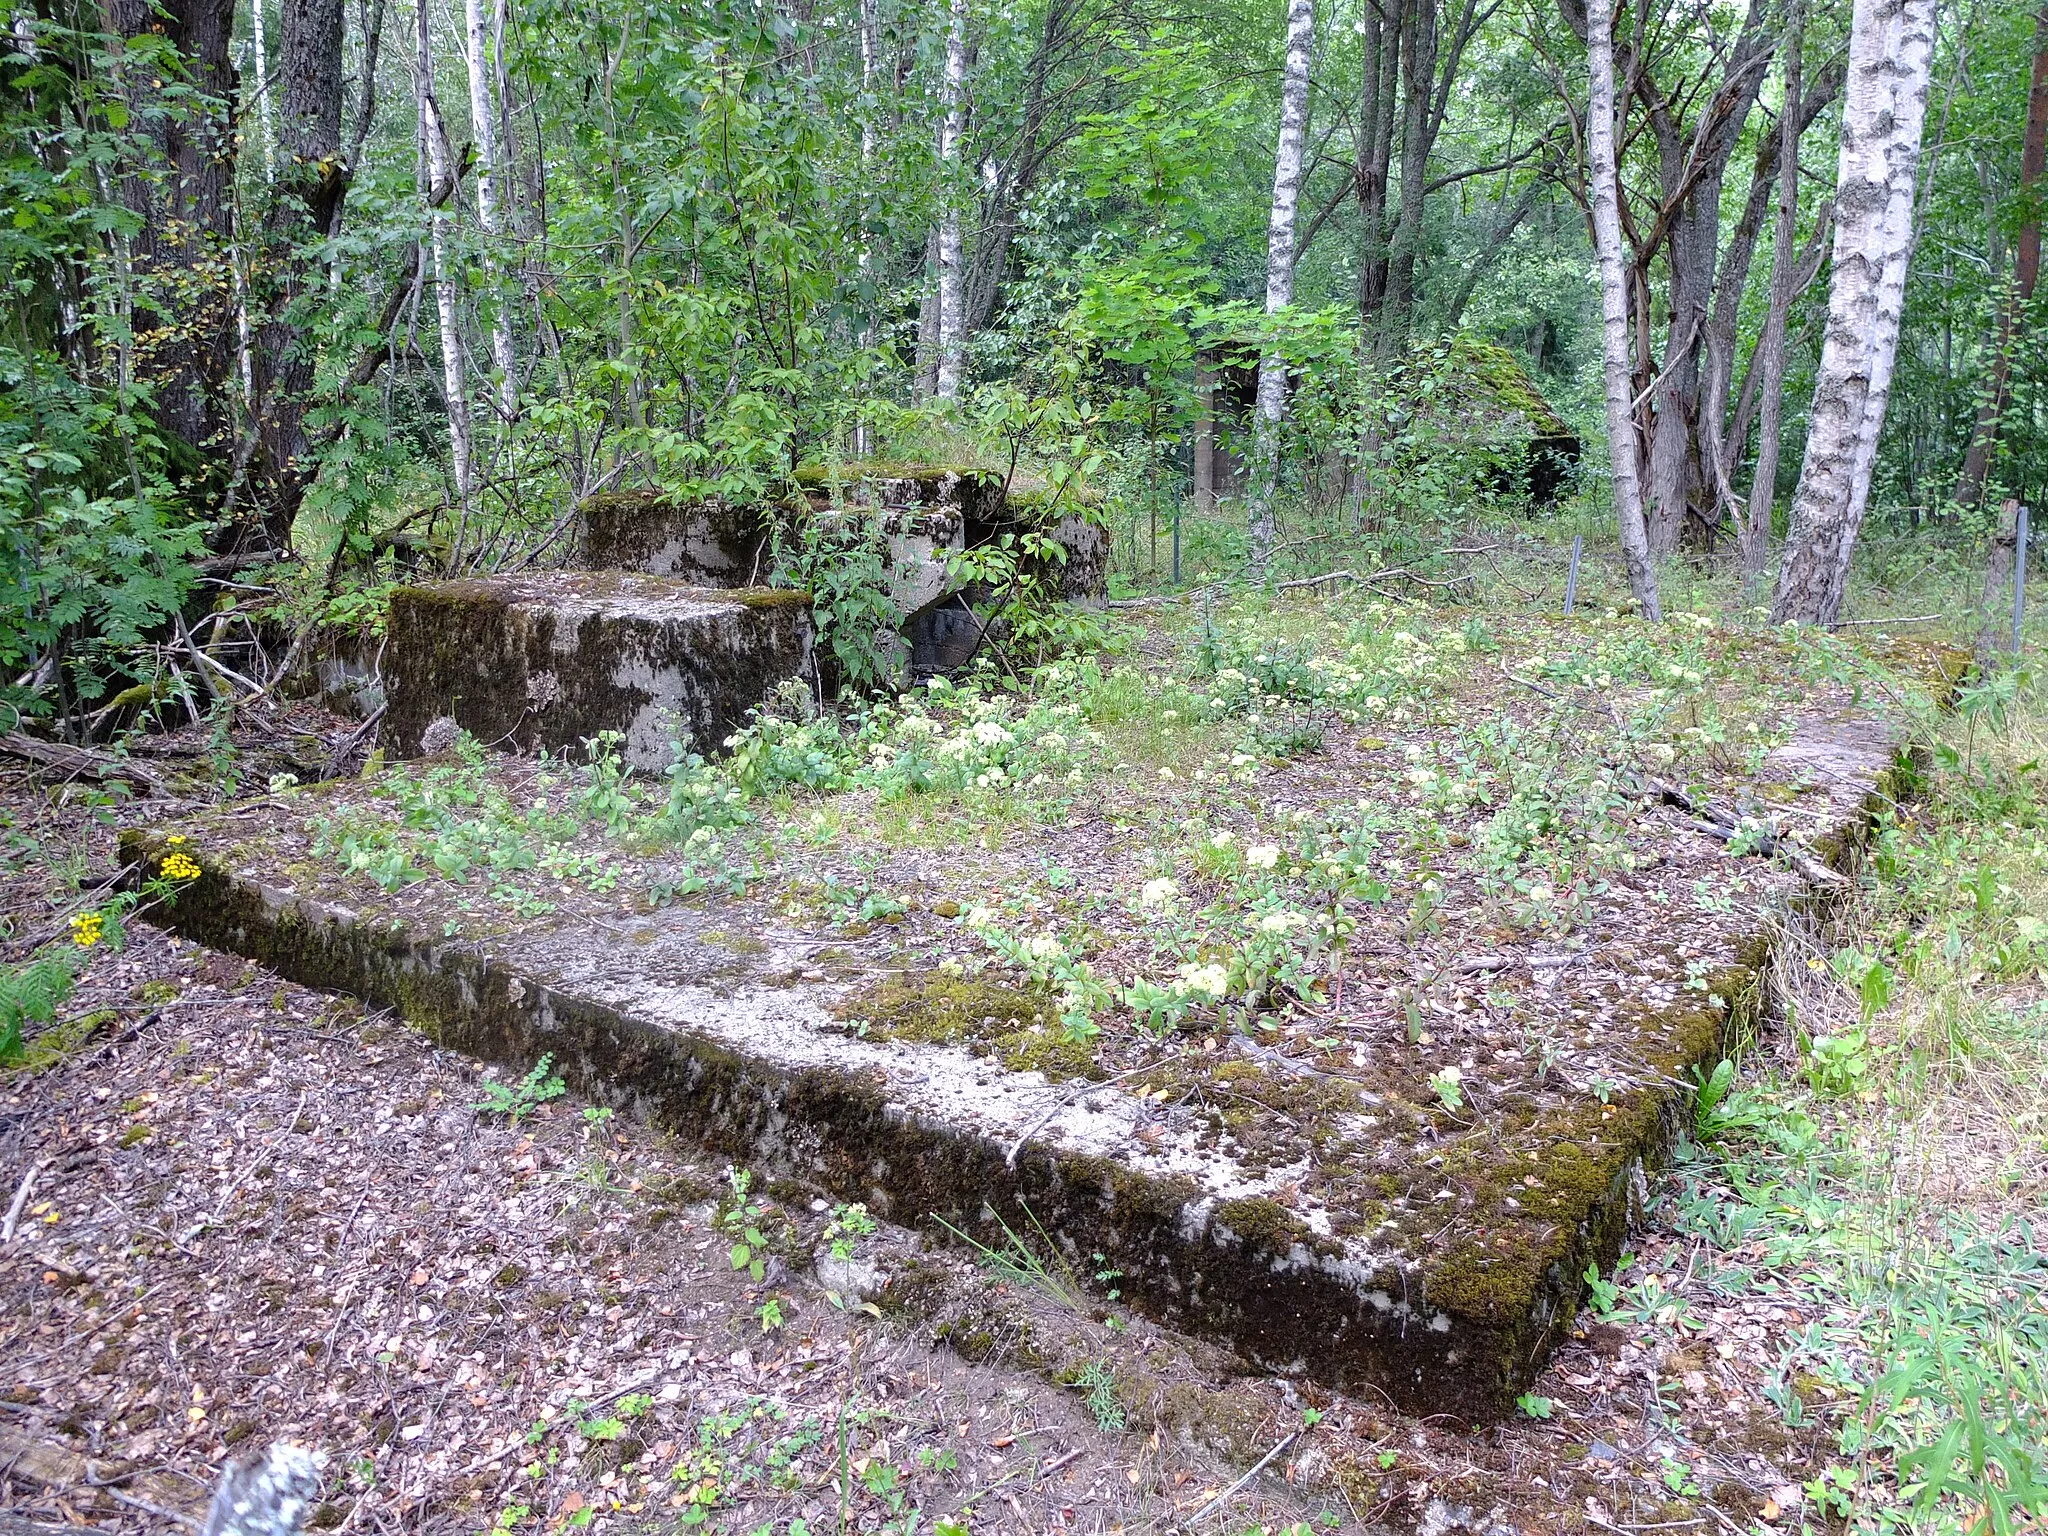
x=952, y=338
x=259, y=59
x=1994, y=615
x=1614, y=307
x=305, y=210
x=1418, y=72
x=2012, y=319
x=178, y=178
x=1287, y=157
x=870, y=47
x=1693, y=164
x=1373, y=153
x=491, y=183
x=1754, y=531
x=1884, y=106
x=436, y=163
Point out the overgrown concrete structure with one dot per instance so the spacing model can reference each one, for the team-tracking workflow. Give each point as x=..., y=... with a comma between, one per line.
x=553, y=659
x=1325, y=1214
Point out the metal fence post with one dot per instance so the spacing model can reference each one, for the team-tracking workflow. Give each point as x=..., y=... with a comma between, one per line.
x=2019, y=576
x=1571, y=581
x=1176, y=543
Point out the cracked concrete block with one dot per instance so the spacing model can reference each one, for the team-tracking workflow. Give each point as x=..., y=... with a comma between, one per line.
x=550, y=659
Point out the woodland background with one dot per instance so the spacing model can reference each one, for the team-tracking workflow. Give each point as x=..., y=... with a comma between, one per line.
x=311, y=297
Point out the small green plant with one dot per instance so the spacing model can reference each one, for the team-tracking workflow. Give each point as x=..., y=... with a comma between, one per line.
x=1603, y=1295
x=515, y=1101
x=1098, y=1381
x=849, y=1224
x=1535, y=1407
x=1016, y=1263
x=770, y=1314
x=742, y=1222
x=1448, y=1086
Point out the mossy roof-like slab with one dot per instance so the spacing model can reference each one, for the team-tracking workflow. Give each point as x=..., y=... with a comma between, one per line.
x=1387, y=1164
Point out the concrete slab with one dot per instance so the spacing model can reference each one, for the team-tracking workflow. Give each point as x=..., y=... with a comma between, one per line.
x=1303, y=1209
x=551, y=659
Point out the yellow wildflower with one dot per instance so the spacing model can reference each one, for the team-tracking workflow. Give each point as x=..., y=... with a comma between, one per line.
x=178, y=866
x=86, y=929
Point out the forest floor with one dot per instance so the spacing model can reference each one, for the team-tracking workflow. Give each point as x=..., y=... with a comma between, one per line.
x=249, y=1211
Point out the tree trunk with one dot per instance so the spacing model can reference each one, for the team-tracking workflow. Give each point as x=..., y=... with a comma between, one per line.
x=1205, y=440
x=927, y=382
x=1418, y=70
x=952, y=339
x=259, y=59
x=1614, y=307
x=1754, y=533
x=177, y=178
x=1994, y=615
x=1287, y=157
x=491, y=184
x=1379, y=80
x=2012, y=319
x=870, y=46
x=306, y=209
x=435, y=161
x=1884, y=105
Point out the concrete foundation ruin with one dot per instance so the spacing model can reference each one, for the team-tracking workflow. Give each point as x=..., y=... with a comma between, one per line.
x=550, y=660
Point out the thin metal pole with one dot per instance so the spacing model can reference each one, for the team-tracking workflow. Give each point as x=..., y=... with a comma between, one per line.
x=1176, y=543
x=1571, y=581
x=2019, y=577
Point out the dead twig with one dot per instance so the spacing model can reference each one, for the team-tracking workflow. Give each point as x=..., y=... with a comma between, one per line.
x=21, y=1194
x=1031, y=1130
x=1264, y=1462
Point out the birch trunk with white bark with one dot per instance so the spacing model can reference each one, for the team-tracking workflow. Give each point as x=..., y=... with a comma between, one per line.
x=1614, y=308
x=1884, y=105
x=1271, y=406
x=491, y=183
x=259, y=56
x=435, y=161
x=952, y=299
x=870, y=46
x=1754, y=530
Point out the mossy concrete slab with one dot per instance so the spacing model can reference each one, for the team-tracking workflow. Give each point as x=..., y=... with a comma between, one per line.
x=551, y=659
x=1302, y=1191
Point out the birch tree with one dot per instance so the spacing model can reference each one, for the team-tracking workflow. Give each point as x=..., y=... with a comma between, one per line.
x=952, y=338
x=870, y=46
x=1754, y=527
x=1884, y=104
x=259, y=60
x=436, y=163
x=1605, y=196
x=491, y=185
x=1271, y=406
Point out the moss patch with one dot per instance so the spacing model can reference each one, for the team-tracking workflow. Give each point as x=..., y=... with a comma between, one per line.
x=939, y=1009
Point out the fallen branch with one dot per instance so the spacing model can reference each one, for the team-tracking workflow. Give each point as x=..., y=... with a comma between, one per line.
x=1918, y=618
x=1031, y=1130
x=1722, y=827
x=73, y=761
x=1264, y=1462
x=21, y=1194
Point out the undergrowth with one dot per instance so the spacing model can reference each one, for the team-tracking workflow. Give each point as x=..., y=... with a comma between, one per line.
x=1881, y=1160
